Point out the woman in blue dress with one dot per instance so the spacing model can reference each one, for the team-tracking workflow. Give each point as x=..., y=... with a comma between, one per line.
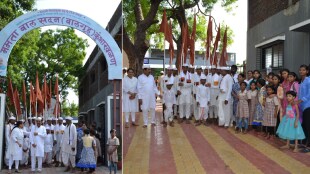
x=88, y=155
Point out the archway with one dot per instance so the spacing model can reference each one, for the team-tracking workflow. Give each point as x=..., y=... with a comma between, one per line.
x=60, y=17
x=32, y=20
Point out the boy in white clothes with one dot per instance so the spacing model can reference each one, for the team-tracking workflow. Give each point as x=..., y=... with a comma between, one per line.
x=203, y=100
x=48, y=147
x=168, y=101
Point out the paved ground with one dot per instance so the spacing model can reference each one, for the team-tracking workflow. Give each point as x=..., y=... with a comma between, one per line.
x=188, y=149
x=60, y=170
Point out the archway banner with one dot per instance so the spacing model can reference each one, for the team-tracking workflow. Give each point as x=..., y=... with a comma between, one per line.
x=61, y=17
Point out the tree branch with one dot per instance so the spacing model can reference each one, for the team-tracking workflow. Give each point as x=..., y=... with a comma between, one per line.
x=138, y=12
x=149, y=19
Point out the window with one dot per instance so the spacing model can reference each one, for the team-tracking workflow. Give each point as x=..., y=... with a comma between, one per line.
x=273, y=56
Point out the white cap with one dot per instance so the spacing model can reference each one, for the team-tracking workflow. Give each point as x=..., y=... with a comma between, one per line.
x=203, y=77
x=64, y=121
x=198, y=67
x=185, y=64
x=47, y=127
x=213, y=66
x=162, y=72
x=12, y=118
x=124, y=68
x=224, y=68
x=169, y=82
x=30, y=118
x=146, y=66
x=55, y=119
x=22, y=120
x=49, y=119
x=39, y=119
x=190, y=66
x=69, y=118
x=170, y=68
x=60, y=118
x=175, y=68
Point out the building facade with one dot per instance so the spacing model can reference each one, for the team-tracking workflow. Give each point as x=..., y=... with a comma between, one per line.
x=99, y=99
x=157, y=58
x=278, y=34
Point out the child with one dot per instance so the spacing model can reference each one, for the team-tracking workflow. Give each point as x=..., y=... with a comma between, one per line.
x=290, y=128
x=271, y=104
x=270, y=78
x=261, y=95
x=112, y=145
x=48, y=147
x=293, y=79
x=242, y=108
x=87, y=155
x=203, y=100
x=234, y=93
x=280, y=94
x=169, y=100
x=252, y=98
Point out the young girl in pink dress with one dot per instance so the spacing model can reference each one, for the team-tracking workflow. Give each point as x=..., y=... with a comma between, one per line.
x=290, y=128
x=294, y=81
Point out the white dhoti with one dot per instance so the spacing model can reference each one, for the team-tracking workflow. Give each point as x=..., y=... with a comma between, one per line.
x=224, y=113
x=68, y=158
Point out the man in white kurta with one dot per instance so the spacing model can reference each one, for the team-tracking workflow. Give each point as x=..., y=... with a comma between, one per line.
x=130, y=98
x=68, y=145
x=175, y=87
x=191, y=70
x=8, y=129
x=59, y=131
x=147, y=93
x=37, y=136
x=15, y=151
x=185, y=93
x=225, y=98
x=196, y=84
x=215, y=91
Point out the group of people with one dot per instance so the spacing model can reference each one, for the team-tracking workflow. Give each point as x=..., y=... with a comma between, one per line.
x=277, y=104
x=57, y=141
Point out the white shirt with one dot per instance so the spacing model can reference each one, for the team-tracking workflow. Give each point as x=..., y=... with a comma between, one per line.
x=226, y=87
x=203, y=95
x=146, y=91
x=38, y=140
x=69, y=139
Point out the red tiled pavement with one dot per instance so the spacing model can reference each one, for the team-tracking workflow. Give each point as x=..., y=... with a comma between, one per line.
x=261, y=161
x=209, y=159
x=218, y=150
x=161, y=157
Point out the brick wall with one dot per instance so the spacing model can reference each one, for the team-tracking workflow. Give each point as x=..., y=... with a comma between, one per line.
x=260, y=10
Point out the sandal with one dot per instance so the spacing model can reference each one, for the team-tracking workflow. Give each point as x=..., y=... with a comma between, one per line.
x=126, y=125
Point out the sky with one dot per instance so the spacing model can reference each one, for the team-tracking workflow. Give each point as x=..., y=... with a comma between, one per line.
x=100, y=11
x=237, y=21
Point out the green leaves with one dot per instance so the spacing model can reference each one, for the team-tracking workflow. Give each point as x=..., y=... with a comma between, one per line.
x=48, y=52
